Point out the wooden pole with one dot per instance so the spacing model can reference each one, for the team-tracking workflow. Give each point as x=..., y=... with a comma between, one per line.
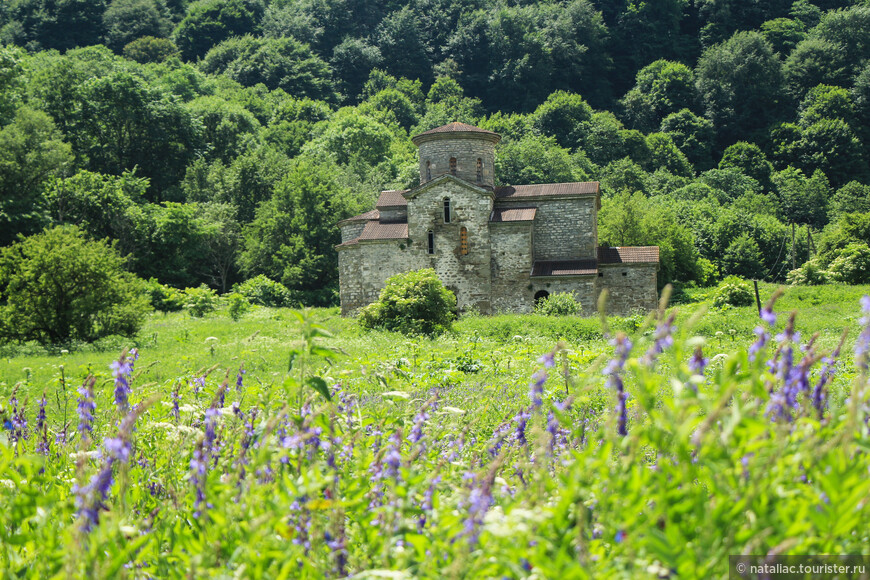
x=793, y=256
x=757, y=297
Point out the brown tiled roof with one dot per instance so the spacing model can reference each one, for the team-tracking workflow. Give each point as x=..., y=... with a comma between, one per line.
x=456, y=127
x=379, y=231
x=629, y=255
x=392, y=198
x=565, y=268
x=575, y=188
x=363, y=217
x=513, y=214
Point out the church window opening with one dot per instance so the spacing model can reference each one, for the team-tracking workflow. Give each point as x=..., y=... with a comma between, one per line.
x=447, y=215
x=479, y=170
x=540, y=296
x=428, y=170
x=463, y=241
x=431, y=238
x=453, y=166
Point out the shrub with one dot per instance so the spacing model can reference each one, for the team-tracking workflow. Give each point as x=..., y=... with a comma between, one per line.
x=265, y=292
x=239, y=305
x=811, y=273
x=412, y=303
x=733, y=291
x=852, y=264
x=201, y=300
x=558, y=304
x=58, y=287
x=165, y=298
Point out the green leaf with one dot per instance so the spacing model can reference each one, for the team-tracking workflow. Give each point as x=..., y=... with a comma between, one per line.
x=319, y=385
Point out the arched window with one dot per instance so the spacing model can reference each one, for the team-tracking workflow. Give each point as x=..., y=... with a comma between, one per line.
x=479, y=170
x=463, y=241
x=431, y=239
x=428, y=171
x=447, y=215
x=453, y=166
x=540, y=296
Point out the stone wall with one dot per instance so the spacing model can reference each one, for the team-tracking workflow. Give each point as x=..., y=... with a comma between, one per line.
x=364, y=268
x=629, y=287
x=564, y=228
x=582, y=287
x=351, y=231
x=468, y=276
x=511, y=265
x=438, y=149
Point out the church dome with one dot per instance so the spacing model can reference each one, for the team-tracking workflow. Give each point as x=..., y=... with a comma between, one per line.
x=458, y=149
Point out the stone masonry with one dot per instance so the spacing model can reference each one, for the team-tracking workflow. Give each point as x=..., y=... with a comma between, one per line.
x=499, y=249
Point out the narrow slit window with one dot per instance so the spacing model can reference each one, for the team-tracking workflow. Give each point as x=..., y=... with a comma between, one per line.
x=463, y=241
x=479, y=170
x=428, y=171
x=447, y=215
x=431, y=240
x=453, y=166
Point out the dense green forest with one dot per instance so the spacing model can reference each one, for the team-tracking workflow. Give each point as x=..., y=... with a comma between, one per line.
x=218, y=140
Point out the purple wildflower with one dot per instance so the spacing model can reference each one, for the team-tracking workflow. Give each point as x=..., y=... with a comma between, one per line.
x=521, y=419
x=548, y=359
x=614, y=368
x=663, y=339
x=536, y=388
x=393, y=455
x=198, y=474
x=176, y=398
x=768, y=315
x=121, y=370
x=862, y=343
x=239, y=379
x=198, y=384
x=698, y=362
x=478, y=503
x=86, y=407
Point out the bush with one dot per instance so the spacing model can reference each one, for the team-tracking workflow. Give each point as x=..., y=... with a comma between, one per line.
x=201, y=300
x=852, y=264
x=239, y=305
x=266, y=292
x=412, y=303
x=733, y=291
x=58, y=287
x=558, y=304
x=811, y=273
x=165, y=298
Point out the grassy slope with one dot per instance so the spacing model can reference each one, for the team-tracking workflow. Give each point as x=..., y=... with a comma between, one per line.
x=176, y=345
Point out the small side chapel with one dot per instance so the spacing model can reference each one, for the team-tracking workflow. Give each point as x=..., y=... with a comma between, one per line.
x=499, y=249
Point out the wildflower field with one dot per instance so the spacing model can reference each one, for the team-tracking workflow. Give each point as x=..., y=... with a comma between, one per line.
x=295, y=445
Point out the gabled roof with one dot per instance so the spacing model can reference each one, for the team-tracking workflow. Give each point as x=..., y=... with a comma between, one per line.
x=412, y=193
x=564, y=268
x=513, y=214
x=392, y=198
x=363, y=217
x=629, y=255
x=547, y=189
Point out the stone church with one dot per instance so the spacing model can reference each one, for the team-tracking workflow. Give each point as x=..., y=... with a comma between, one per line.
x=499, y=249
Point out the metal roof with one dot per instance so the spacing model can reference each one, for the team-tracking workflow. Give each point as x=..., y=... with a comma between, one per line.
x=544, y=189
x=363, y=217
x=392, y=198
x=456, y=127
x=564, y=268
x=378, y=231
x=513, y=214
x=629, y=255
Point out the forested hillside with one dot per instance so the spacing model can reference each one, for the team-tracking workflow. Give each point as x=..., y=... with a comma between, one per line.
x=218, y=140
